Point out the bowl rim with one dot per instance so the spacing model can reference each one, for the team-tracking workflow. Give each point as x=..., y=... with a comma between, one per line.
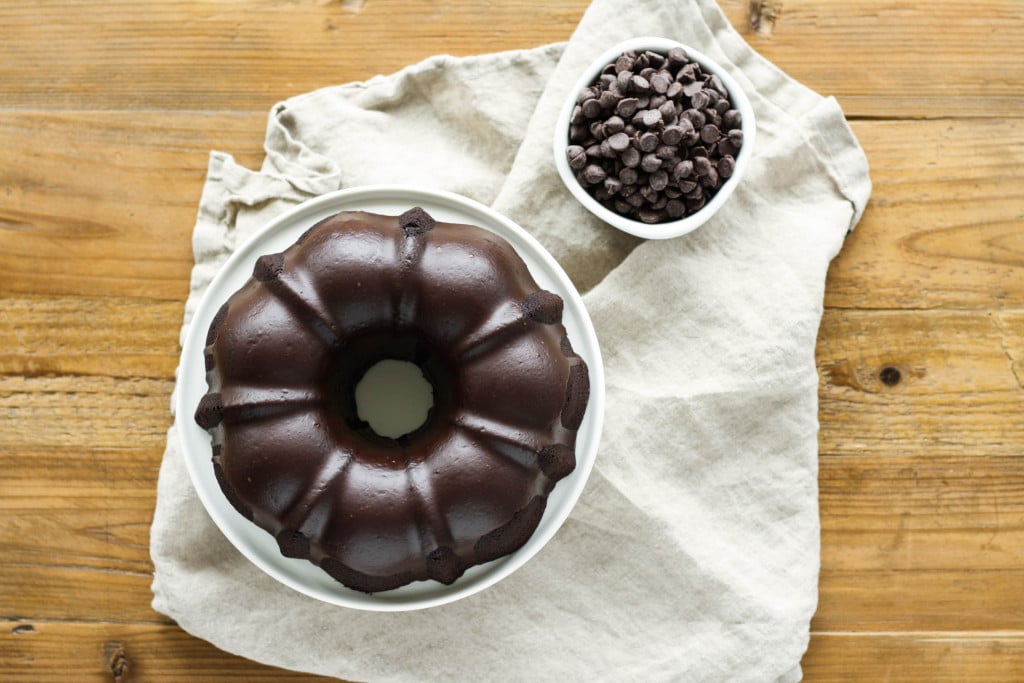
x=683, y=226
x=258, y=546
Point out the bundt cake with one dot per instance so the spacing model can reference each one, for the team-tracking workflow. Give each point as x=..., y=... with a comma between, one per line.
x=292, y=454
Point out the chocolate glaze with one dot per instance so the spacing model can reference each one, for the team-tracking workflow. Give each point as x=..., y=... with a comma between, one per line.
x=284, y=355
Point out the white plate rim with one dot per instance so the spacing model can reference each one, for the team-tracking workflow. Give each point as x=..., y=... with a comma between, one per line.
x=256, y=544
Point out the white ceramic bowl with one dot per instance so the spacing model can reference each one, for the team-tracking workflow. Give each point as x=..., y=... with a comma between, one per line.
x=688, y=223
x=258, y=545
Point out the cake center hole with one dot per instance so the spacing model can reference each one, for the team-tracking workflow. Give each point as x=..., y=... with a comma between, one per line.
x=394, y=398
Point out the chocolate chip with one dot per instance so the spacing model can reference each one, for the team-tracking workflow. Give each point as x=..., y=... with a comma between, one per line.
x=716, y=83
x=668, y=111
x=710, y=179
x=732, y=119
x=622, y=81
x=661, y=81
x=726, y=166
x=587, y=94
x=654, y=59
x=671, y=135
x=659, y=180
x=695, y=117
x=626, y=107
x=614, y=125
x=628, y=176
x=650, y=163
x=648, y=142
x=640, y=84
x=665, y=152
x=677, y=57
x=619, y=142
x=710, y=133
x=591, y=108
x=684, y=169
x=675, y=208
x=630, y=157
x=652, y=117
x=594, y=174
x=692, y=88
x=650, y=216
x=608, y=99
x=701, y=165
x=577, y=156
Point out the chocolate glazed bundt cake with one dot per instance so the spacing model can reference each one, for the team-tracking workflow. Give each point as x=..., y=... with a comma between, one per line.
x=290, y=452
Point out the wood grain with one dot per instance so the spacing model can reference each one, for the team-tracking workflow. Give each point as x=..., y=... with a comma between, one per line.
x=951, y=657
x=103, y=204
x=265, y=51
x=44, y=652
x=894, y=529
x=107, y=116
x=956, y=389
x=41, y=651
x=943, y=226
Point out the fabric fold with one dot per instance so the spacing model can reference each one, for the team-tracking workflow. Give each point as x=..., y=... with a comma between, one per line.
x=693, y=553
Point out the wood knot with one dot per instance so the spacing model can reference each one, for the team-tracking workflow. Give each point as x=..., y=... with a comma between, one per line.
x=890, y=376
x=762, y=15
x=118, y=663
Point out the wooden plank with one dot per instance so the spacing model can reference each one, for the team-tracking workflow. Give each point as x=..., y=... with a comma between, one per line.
x=88, y=510
x=107, y=209
x=80, y=593
x=938, y=231
x=96, y=204
x=941, y=600
x=922, y=513
x=41, y=651
x=879, y=59
x=937, y=657
x=74, y=543
x=899, y=59
x=908, y=542
x=954, y=383
x=243, y=55
x=118, y=337
x=123, y=653
x=84, y=412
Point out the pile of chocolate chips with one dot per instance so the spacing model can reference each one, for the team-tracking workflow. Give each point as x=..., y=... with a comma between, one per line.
x=654, y=138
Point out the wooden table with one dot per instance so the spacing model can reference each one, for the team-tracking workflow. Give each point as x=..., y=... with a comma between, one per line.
x=108, y=110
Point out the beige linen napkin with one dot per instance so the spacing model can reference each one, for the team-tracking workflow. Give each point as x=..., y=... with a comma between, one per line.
x=693, y=554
